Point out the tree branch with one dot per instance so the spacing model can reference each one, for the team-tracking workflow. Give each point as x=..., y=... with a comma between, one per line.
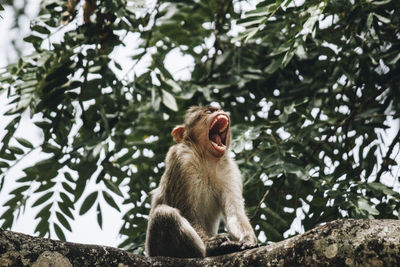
x=338, y=243
x=385, y=162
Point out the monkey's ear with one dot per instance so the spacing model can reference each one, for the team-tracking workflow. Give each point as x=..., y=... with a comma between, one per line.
x=178, y=132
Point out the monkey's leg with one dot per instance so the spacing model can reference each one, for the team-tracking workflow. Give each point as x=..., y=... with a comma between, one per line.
x=170, y=234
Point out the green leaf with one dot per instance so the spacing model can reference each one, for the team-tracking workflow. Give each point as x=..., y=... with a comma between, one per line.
x=59, y=232
x=43, y=124
x=369, y=161
x=95, y=69
x=44, y=186
x=99, y=216
x=394, y=60
x=34, y=39
x=48, y=148
x=7, y=156
x=262, y=11
x=283, y=118
x=88, y=203
x=40, y=29
x=364, y=205
x=274, y=65
x=155, y=100
x=378, y=3
x=13, y=201
x=42, y=228
x=63, y=221
x=44, y=213
x=8, y=218
x=66, y=200
x=4, y=164
x=250, y=22
x=370, y=19
x=16, y=150
x=24, y=142
x=175, y=87
x=79, y=188
x=169, y=100
x=383, y=188
x=20, y=190
x=43, y=199
x=113, y=187
x=67, y=187
x=110, y=200
x=25, y=179
x=68, y=176
x=286, y=59
x=250, y=33
x=382, y=18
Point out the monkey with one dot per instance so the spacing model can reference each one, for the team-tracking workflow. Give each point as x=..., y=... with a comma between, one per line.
x=200, y=187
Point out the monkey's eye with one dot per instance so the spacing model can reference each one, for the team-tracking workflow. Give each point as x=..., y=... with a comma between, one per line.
x=208, y=111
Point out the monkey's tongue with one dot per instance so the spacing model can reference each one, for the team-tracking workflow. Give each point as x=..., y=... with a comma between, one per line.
x=217, y=142
x=218, y=131
x=216, y=139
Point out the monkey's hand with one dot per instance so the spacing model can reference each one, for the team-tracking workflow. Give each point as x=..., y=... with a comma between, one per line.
x=213, y=244
x=222, y=244
x=248, y=241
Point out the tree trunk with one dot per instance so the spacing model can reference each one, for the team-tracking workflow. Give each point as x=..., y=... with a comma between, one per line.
x=338, y=243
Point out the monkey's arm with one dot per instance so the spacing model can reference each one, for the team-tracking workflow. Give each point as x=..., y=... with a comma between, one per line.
x=236, y=221
x=240, y=234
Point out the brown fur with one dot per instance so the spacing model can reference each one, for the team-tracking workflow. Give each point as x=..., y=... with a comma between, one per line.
x=200, y=186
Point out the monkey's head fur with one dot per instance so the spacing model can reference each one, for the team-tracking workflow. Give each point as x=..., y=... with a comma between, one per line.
x=207, y=128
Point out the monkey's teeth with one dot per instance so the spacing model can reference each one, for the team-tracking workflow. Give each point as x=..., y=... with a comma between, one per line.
x=220, y=117
x=220, y=148
x=223, y=128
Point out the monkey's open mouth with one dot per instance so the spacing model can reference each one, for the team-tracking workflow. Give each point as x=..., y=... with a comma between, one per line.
x=218, y=132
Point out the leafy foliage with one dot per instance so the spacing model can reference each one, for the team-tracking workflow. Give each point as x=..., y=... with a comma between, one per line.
x=311, y=88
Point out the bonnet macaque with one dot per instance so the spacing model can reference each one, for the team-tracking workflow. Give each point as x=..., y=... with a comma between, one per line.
x=200, y=187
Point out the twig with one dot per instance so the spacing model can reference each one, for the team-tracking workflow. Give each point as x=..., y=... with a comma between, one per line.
x=385, y=162
x=19, y=160
x=257, y=211
x=259, y=205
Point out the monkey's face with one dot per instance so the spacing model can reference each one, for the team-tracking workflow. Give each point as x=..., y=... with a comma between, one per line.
x=210, y=130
